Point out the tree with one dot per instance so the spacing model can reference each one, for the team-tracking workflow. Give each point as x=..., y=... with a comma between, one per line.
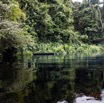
x=12, y=34
x=87, y=19
x=94, y=1
x=50, y=21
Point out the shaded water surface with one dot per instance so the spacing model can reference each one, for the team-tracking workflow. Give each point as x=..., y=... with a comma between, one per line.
x=50, y=79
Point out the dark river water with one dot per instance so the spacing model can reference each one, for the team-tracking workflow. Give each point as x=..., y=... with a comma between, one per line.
x=47, y=79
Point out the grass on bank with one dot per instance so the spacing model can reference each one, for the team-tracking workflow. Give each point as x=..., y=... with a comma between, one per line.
x=65, y=49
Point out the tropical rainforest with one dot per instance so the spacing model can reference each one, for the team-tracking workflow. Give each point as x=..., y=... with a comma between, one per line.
x=59, y=26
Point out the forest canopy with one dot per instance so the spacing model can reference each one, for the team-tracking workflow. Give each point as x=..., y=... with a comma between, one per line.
x=28, y=23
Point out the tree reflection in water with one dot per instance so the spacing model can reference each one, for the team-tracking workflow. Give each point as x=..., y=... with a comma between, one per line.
x=28, y=82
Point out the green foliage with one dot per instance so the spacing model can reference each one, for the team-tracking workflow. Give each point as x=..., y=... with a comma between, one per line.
x=15, y=12
x=12, y=34
x=49, y=25
x=11, y=11
x=87, y=18
x=50, y=20
x=94, y=1
x=67, y=49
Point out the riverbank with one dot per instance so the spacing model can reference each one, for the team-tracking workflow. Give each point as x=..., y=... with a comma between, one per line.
x=65, y=49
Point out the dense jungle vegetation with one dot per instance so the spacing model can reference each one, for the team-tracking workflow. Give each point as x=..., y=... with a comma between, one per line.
x=58, y=26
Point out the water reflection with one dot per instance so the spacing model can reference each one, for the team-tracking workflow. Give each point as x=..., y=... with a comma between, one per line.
x=14, y=77
x=50, y=79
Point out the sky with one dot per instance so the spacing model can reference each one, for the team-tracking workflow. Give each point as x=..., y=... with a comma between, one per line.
x=81, y=0
x=77, y=0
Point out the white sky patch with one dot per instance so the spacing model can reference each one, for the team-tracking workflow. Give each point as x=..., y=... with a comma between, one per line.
x=77, y=0
x=82, y=0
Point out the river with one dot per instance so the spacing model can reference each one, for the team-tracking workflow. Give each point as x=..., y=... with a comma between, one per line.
x=46, y=79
